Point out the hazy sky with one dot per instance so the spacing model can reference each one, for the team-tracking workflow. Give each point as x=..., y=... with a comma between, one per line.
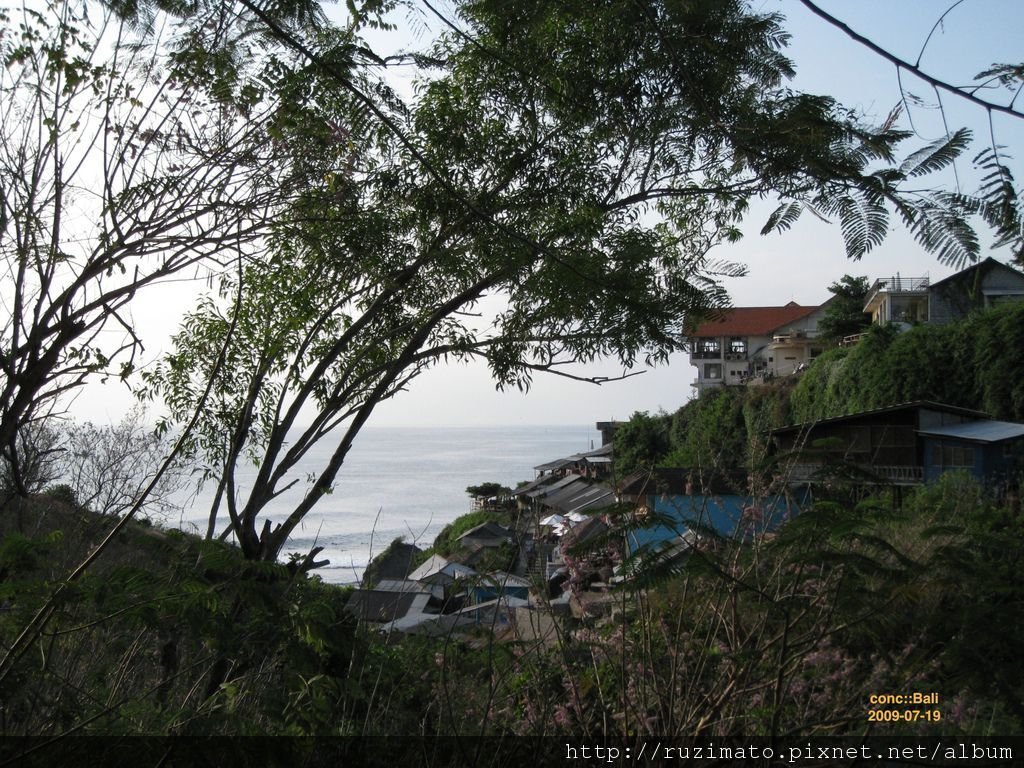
x=797, y=266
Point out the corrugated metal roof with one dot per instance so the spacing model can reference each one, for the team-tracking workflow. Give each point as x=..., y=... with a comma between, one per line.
x=573, y=490
x=374, y=605
x=750, y=321
x=433, y=565
x=398, y=585
x=553, y=465
x=547, y=490
x=458, y=571
x=503, y=579
x=978, y=431
x=604, y=498
x=533, y=485
x=489, y=529
x=925, y=404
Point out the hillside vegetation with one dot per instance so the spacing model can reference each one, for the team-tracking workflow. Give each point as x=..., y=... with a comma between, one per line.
x=976, y=363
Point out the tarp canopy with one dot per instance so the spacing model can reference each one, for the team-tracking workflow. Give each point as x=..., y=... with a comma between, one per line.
x=553, y=520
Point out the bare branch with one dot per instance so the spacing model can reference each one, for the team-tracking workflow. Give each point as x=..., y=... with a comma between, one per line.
x=912, y=68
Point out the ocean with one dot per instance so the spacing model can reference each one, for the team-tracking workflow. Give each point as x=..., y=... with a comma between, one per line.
x=410, y=482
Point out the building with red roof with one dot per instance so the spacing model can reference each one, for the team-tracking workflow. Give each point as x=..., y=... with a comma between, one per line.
x=740, y=344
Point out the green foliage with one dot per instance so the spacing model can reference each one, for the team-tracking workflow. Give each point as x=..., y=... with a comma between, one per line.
x=486, y=491
x=764, y=409
x=641, y=442
x=578, y=159
x=371, y=574
x=844, y=315
x=501, y=558
x=713, y=431
x=809, y=399
x=841, y=603
x=974, y=363
x=62, y=492
x=581, y=160
x=170, y=632
x=724, y=430
x=19, y=553
x=445, y=541
x=991, y=349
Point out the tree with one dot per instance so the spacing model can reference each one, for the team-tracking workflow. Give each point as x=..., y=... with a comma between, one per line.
x=108, y=466
x=489, y=490
x=553, y=195
x=844, y=313
x=641, y=443
x=39, y=451
x=130, y=152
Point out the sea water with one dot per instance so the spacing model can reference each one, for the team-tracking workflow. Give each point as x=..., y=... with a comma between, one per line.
x=407, y=482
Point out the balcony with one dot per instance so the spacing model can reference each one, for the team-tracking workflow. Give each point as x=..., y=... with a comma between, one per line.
x=891, y=285
x=879, y=474
x=794, y=336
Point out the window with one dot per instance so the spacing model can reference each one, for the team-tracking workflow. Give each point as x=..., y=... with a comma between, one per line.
x=713, y=371
x=737, y=346
x=1007, y=298
x=708, y=348
x=956, y=456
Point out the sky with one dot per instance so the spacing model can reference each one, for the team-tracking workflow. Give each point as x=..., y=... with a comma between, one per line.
x=795, y=266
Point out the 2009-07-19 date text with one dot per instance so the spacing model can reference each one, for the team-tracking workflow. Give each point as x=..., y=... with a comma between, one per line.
x=904, y=715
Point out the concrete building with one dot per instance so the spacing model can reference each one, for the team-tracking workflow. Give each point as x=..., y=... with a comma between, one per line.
x=910, y=300
x=746, y=343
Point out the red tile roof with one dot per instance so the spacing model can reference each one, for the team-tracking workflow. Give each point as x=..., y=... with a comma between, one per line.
x=751, y=321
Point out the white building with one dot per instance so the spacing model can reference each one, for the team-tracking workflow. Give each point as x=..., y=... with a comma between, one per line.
x=754, y=342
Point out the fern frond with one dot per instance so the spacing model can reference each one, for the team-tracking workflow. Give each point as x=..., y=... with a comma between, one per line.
x=999, y=203
x=1007, y=75
x=942, y=228
x=937, y=155
x=864, y=222
x=782, y=218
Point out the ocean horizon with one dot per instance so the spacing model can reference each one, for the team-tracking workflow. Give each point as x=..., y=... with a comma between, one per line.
x=408, y=482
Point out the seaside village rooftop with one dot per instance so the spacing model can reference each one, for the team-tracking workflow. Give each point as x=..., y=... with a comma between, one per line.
x=579, y=529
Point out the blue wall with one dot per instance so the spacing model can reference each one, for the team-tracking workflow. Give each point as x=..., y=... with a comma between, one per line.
x=991, y=461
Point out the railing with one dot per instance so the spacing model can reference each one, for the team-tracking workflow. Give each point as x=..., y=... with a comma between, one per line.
x=897, y=285
x=802, y=335
x=884, y=474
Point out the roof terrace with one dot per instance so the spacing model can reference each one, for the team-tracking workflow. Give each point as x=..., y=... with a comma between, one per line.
x=893, y=285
